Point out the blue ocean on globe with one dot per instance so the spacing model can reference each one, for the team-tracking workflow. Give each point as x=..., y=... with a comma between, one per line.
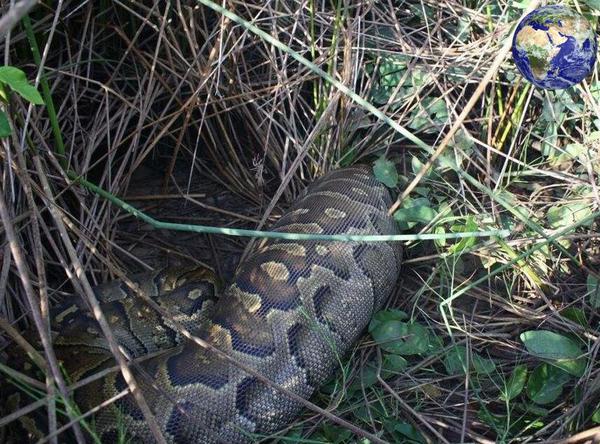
x=554, y=47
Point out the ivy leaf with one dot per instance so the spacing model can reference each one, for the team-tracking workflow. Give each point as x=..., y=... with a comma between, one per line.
x=4, y=125
x=16, y=79
x=385, y=172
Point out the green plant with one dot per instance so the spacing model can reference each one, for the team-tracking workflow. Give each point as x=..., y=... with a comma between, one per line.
x=14, y=79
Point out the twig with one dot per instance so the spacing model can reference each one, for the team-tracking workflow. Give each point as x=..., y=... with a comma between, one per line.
x=24, y=344
x=14, y=14
x=590, y=436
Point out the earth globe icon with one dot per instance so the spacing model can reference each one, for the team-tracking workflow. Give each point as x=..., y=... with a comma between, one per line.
x=554, y=47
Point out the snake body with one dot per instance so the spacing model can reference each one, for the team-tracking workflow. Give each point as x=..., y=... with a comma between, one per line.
x=294, y=308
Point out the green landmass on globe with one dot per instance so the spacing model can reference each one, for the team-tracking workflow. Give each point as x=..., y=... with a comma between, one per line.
x=554, y=47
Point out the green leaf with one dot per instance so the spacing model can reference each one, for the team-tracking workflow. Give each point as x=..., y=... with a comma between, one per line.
x=391, y=314
x=385, y=172
x=388, y=334
x=390, y=71
x=401, y=338
x=431, y=110
x=596, y=416
x=408, y=433
x=575, y=367
x=594, y=135
x=416, y=211
x=497, y=422
x=550, y=139
x=515, y=384
x=546, y=384
x=10, y=75
x=562, y=351
x=367, y=412
x=483, y=366
x=29, y=93
x=566, y=215
x=368, y=376
x=576, y=315
x=455, y=362
x=392, y=365
x=593, y=288
x=533, y=408
x=4, y=125
x=417, y=165
x=569, y=152
x=594, y=4
x=574, y=150
x=523, y=4
x=549, y=345
x=16, y=79
x=440, y=242
x=470, y=225
x=334, y=434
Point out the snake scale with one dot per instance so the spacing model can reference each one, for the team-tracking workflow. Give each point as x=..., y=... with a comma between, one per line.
x=294, y=308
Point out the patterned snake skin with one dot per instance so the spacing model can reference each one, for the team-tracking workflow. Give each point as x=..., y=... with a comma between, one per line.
x=292, y=311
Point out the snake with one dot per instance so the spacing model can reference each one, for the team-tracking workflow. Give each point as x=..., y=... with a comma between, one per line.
x=292, y=311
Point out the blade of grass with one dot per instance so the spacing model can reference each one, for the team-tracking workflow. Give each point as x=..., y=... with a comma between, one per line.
x=273, y=234
x=58, y=139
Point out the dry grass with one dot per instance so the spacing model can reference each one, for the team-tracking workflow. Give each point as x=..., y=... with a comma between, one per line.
x=194, y=119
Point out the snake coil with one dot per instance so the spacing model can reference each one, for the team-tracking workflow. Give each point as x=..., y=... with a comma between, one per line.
x=294, y=308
